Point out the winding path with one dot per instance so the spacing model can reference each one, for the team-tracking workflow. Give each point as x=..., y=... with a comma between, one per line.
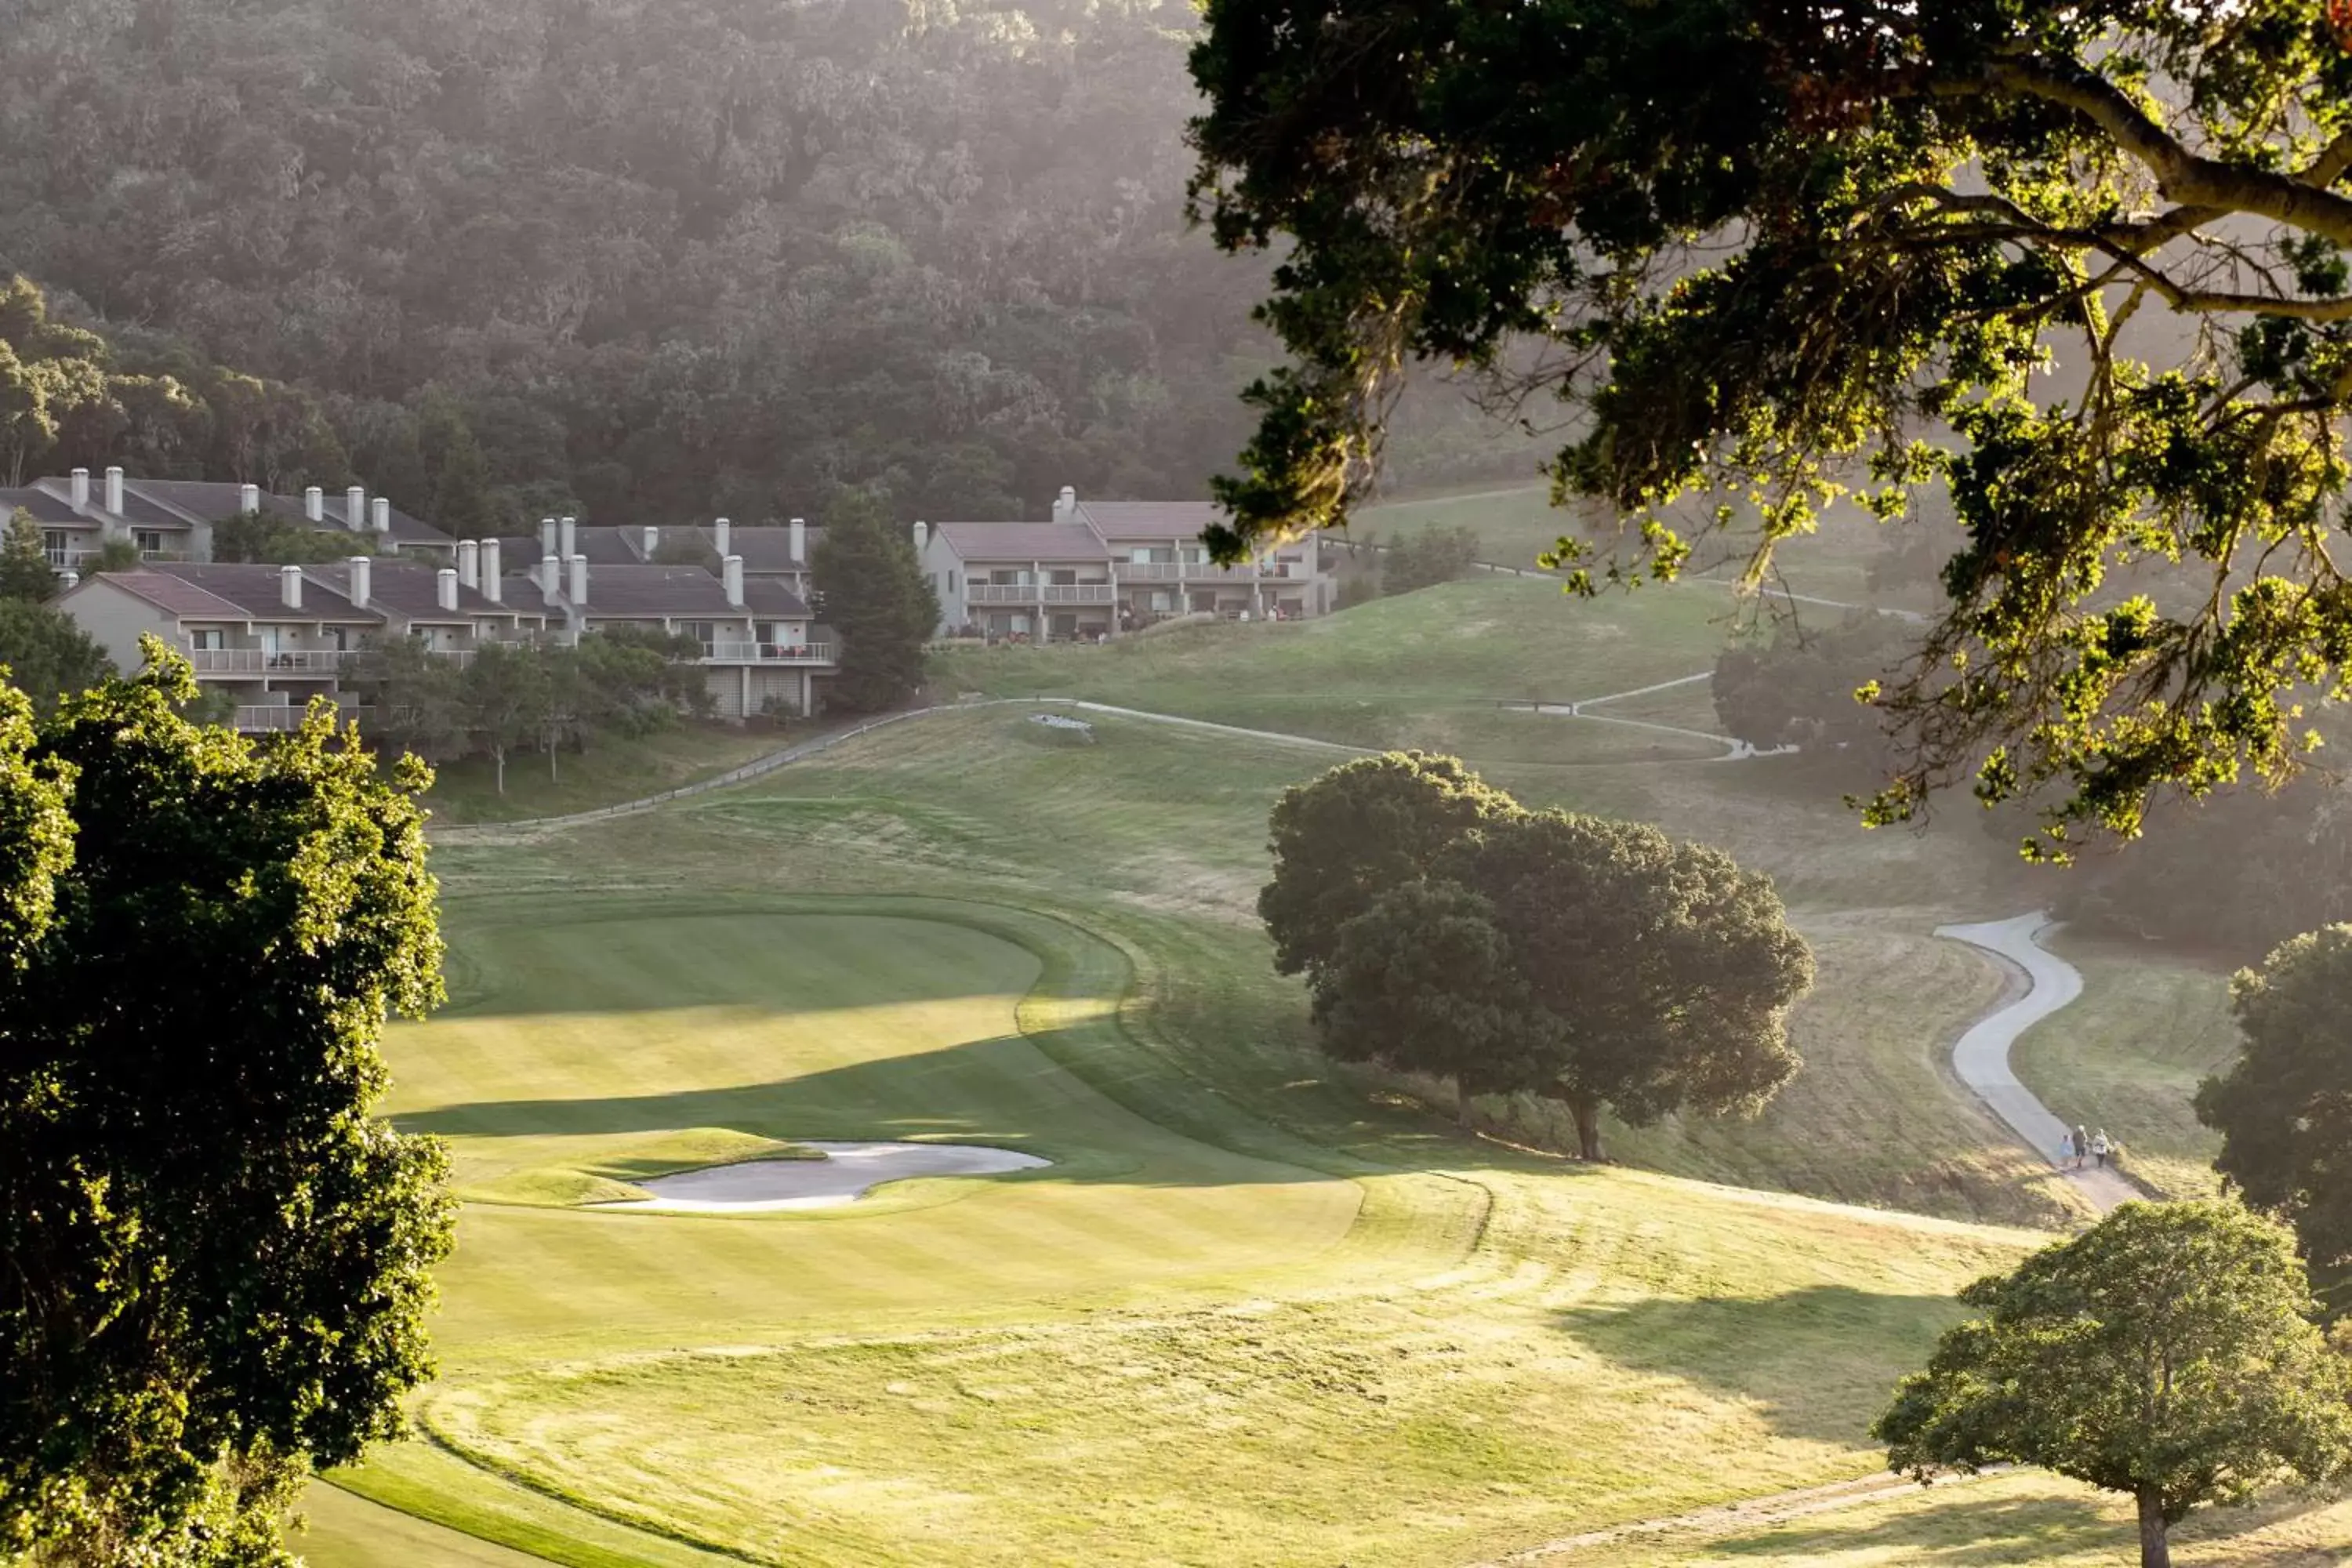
x=1982, y=1057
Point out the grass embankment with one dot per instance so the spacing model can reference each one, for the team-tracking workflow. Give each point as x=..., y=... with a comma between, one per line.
x=2128, y=1056
x=1517, y=525
x=613, y=769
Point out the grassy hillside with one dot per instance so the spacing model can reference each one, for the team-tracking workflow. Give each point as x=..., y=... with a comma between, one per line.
x=1516, y=525
x=615, y=769
x=2129, y=1055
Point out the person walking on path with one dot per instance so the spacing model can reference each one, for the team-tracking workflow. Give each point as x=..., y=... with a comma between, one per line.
x=2082, y=1144
x=2065, y=1149
x=2099, y=1146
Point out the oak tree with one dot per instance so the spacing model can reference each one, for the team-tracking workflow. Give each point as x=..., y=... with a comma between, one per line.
x=1365, y=827
x=2078, y=269
x=2284, y=1107
x=218, y=1255
x=2167, y=1353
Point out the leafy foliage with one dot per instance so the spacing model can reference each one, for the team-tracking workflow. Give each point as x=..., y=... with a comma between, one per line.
x=873, y=593
x=276, y=541
x=2284, y=1107
x=218, y=1257
x=2166, y=1352
x=1443, y=929
x=1801, y=690
x=1360, y=830
x=2077, y=268
x=47, y=654
x=1425, y=559
x=25, y=573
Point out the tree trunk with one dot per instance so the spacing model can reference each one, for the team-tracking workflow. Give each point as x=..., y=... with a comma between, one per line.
x=499, y=760
x=1588, y=1126
x=2155, y=1546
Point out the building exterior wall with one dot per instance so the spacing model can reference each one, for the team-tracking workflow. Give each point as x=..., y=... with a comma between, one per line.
x=115, y=619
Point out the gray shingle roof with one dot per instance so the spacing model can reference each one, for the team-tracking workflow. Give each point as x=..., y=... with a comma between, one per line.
x=1022, y=541
x=255, y=593
x=169, y=595
x=1149, y=518
x=45, y=508
x=413, y=591
x=647, y=593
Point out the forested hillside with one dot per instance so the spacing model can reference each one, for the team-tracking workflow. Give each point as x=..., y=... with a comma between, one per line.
x=674, y=259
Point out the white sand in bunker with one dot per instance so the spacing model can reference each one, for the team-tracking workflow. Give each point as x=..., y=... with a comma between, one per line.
x=847, y=1173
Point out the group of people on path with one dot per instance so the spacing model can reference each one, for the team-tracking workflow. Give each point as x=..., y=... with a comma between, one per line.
x=2077, y=1146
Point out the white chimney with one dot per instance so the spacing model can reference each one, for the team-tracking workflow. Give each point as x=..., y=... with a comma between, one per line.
x=719, y=529
x=314, y=504
x=290, y=586
x=81, y=490
x=380, y=513
x=800, y=541
x=248, y=500
x=114, y=491
x=653, y=541
x=730, y=572
x=567, y=535
x=68, y=581
x=469, y=563
x=580, y=579
x=355, y=510
x=1065, y=507
x=922, y=536
x=546, y=537
x=551, y=578
x=493, y=587
x=362, y=584
x=444, y=588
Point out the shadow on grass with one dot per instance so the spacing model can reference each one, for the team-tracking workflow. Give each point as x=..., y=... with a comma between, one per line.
x=1966, y=1533
x=1969, y=1533
x=1796, y=1357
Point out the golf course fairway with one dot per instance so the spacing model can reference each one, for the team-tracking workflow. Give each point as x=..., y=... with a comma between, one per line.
x=1201, y=1334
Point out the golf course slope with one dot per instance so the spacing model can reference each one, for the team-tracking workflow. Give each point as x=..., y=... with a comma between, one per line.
x=1254, y=1310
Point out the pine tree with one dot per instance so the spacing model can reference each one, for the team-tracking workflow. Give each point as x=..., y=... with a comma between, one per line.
x=872, y=591
x=24, y=561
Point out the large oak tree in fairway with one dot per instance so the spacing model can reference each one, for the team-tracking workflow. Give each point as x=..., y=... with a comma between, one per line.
x=2081, y=267
x=1443, y=929
x=217, y=1257
x=2284, y=1107
x=2166, y=1353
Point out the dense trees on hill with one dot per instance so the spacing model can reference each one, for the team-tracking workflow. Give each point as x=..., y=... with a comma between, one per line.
x=1800, y=689
x=218, y=1258
x=2167, y=1353
x=707, y=256
x=1443, y=929
x=2081, y=269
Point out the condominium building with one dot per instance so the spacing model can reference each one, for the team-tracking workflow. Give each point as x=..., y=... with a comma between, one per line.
x=1101, y=568
x=172, y=519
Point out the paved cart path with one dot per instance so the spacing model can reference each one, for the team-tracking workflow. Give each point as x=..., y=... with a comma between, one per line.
x=1982, y=1057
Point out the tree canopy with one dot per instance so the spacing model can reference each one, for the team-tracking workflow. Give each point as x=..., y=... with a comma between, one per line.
x=2076, y=270
x=2167, y=1353
x=2284, y=1107
x=218, y=1256
x=1445, y=931
x=873, y=594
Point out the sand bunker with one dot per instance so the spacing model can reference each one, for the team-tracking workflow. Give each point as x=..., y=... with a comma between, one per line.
x=847, y=1173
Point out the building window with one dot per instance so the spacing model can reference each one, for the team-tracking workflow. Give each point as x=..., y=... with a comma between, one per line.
x=703, y=631
x=206, y=638
x=149, y=541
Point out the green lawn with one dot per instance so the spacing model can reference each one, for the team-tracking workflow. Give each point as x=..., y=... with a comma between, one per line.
x=2128, y=1056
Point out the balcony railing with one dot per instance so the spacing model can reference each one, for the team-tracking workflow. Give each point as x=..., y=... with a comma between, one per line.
x=265, y=719
x=266, y=661
x=769, y=653
x=1038, y=593
x=1182, y=572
